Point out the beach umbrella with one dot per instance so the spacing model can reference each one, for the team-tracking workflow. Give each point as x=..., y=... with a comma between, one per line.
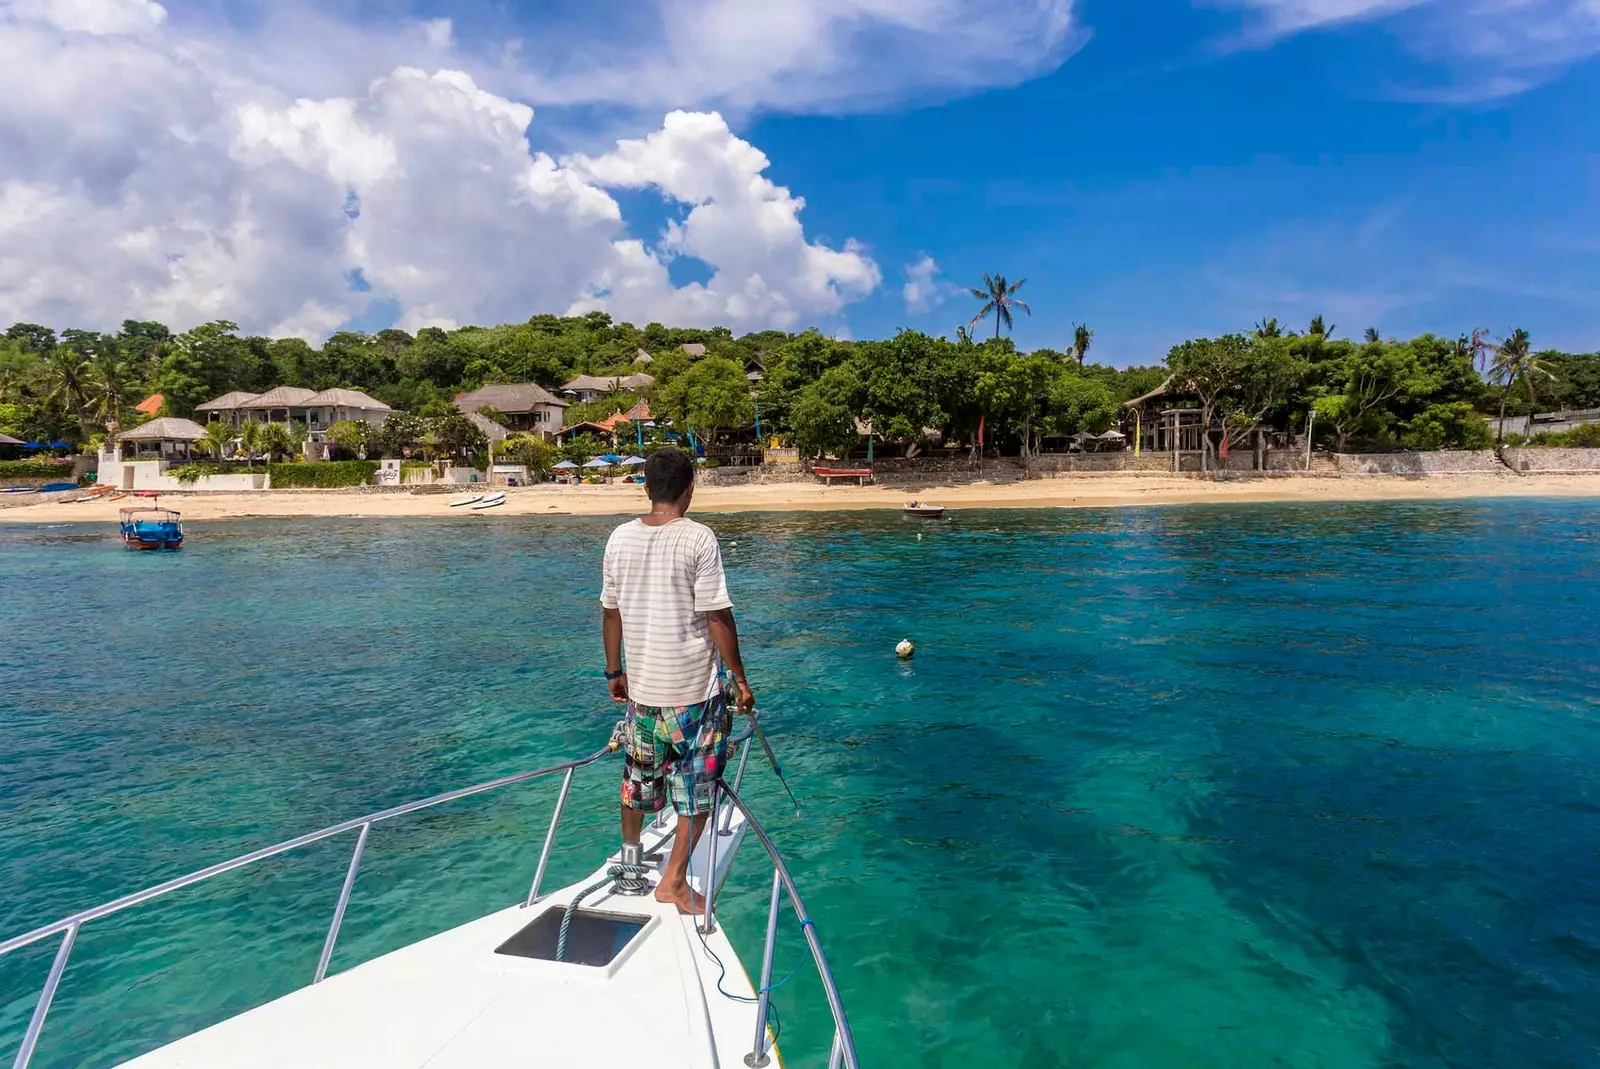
x=60, y=445
x=598, y=462
x=633, y=462
x=565, y=465
x=32, y=445
x=611, y=458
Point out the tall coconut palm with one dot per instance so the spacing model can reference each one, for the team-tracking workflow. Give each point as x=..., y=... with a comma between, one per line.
x=1372, y=336
x=108, y=386
x=1515, y=363
x=1322, y=327
x=999, y=298
x=1082, y=338
x=1269, y=328
x=64, y=376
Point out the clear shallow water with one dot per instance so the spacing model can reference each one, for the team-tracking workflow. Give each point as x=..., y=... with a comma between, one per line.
x=1222, y=786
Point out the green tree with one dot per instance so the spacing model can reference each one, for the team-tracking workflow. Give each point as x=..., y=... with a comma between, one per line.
x=457, y=436
x=1514, y=364
x=709, y=397
x=401, y=432
x=65, y=379
x=1268, y=328
x=1238, y=381
x=823, y=414
x=999, y=298
x=254, y=439
x=220, y=438
x=351, y=435
x=1321, y=328
x=32, y=338
x=533, y=451
x=1450, y=425
x=1368, y=379
x=109, y=387
x=282, y=440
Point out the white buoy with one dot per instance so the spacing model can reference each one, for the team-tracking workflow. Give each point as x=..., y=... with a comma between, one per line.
x=905, y=650
x=734, y=545
x=919, y=536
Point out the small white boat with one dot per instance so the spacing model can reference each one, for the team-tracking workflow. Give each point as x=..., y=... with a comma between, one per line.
x=491, y=501
x=918, y=509
x=472, y=499
x=636, y=980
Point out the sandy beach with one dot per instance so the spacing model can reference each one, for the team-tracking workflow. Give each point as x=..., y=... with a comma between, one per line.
x=1065, y=492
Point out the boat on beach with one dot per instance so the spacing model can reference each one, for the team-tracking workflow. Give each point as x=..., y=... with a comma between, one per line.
x=586, y=977
x=921, y=511
x=490, y=501
x=151, y=528
x=470, y=499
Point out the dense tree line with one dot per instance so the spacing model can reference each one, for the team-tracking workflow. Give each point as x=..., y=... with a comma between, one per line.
x=1426, y=392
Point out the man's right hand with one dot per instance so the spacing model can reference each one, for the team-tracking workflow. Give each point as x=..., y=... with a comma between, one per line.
x=744, y=698
x=619, y=688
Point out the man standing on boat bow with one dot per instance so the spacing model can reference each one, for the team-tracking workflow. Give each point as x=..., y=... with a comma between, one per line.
x=665, y=601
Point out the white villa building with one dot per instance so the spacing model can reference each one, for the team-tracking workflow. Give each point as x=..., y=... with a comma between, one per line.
x=312, y=410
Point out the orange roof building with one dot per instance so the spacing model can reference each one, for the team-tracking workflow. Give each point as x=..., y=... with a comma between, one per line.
x=150, y=406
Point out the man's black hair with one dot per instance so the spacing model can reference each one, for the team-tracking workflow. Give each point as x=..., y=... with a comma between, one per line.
x=668, y=474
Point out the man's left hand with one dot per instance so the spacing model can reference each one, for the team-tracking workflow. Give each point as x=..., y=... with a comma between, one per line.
x=619, y=688
x=743, y=698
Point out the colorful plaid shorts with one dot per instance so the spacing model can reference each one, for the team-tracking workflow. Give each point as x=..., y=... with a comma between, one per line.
x=677, y=752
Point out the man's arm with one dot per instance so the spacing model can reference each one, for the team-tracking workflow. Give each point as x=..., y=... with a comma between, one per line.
x=725, y=636
x=611, y=629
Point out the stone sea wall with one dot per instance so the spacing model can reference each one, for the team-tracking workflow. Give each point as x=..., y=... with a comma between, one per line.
x=1539, y=459
x=1444, y=462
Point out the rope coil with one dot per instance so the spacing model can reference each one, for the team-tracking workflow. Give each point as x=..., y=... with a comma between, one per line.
x=612, y=877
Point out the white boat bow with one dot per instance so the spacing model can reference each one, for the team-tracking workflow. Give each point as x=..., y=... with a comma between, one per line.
x=637, y=979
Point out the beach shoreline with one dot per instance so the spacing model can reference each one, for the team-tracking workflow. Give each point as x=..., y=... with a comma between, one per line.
x=1098, y=491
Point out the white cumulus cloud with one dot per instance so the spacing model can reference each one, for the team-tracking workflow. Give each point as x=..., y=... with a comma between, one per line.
x=142, y=174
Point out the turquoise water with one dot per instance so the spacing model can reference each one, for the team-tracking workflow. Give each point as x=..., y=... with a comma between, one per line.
x=1211, y=786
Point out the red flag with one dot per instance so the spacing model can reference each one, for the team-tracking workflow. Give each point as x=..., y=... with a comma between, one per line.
x=980, y=430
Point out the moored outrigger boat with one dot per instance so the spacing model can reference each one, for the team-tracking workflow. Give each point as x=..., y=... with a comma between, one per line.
x=151, y=528
x=552, y=977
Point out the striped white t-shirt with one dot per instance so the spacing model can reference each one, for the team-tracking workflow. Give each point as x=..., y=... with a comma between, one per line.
x=663, y=580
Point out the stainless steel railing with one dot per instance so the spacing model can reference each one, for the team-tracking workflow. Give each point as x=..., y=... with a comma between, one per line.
x=68, y=927
x=843, y=1052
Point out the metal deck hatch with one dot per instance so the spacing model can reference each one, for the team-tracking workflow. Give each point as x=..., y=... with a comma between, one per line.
x=594, y=937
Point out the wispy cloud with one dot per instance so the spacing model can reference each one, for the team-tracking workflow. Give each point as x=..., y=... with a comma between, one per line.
x=924, y=290
x=1484, y=48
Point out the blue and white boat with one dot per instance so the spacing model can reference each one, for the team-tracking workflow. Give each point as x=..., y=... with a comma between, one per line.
x=150, y=528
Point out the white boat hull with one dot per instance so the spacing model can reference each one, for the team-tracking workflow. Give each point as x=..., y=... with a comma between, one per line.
x=451, y=1002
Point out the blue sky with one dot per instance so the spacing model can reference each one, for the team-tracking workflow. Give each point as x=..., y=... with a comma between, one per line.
x=1160, y=169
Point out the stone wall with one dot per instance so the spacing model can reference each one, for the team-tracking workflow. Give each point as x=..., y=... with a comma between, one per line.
x=1537, y=459
x=1444, y=462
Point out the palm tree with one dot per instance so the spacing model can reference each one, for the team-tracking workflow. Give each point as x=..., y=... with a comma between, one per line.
x=1082, y=338
x=219, y=439
x=252, y=439
x=999, y=299
x=1515, y=362
x=65, y=379
x=1372, y=336
x=281, y=439
x=107, y=387
x=1322, y=327
x=1269, y=328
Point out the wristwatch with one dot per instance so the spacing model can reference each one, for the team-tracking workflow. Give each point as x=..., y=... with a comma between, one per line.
x=618, y=674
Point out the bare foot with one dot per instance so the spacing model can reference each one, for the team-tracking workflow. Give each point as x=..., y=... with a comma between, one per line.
x=688, y=903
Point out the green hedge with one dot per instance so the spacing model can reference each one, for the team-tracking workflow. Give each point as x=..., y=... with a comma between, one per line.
x=323, y=476
x=33, y=469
